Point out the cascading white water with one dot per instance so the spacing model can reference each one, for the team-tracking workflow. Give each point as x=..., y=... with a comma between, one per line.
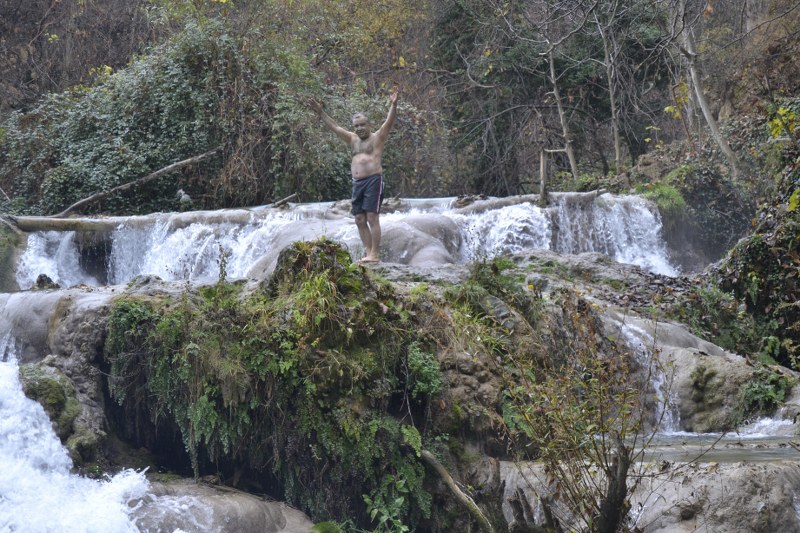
x=641, y=342
x=54, y=254
x=506, y=230
x=667, y=414
x=626, y=228
x=38, y=493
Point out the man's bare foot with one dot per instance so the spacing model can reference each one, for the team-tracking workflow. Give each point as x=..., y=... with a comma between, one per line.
x=368, y=260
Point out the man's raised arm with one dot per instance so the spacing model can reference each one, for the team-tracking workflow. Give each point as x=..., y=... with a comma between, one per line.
x=386, y=127
x=340, y=132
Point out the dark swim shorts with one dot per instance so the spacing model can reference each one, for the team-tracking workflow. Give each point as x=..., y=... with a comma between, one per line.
x=368, y=194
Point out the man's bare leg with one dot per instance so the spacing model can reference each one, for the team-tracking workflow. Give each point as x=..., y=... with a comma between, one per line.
x=365, y=234
x=373, y=252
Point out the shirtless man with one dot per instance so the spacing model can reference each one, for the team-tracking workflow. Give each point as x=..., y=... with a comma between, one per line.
x=367, y=147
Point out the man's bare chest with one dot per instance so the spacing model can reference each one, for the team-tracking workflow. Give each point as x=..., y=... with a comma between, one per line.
x=366, y=146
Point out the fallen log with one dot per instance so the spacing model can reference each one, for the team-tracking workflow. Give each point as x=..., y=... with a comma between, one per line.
x=281, y=203
x=33, y=223
x=580, y=197
x=481, y=206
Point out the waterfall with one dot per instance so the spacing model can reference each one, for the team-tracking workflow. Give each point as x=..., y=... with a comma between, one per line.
x=54, y=254
x=506, y=230
x=641, y=342
x=38, y=493
x=625, y=228
x=192, y=246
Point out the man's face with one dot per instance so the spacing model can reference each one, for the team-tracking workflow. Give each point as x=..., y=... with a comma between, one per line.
x=361, y=127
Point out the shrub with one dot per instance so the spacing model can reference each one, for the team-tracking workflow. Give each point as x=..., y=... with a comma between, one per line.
x=764, y=392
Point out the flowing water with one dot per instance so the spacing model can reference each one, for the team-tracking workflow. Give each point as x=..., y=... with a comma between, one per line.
x=763, y=439
x=191, y=246
x=38, y=492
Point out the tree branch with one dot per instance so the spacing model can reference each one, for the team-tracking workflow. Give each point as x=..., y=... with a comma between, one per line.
x=125, y=186
x=460, y=495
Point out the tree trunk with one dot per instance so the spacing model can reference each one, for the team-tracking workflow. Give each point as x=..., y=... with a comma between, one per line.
x=562, y=118
x=542, y=178
x=460, y=495
x=690, y=54
x=612, y=97
x=612, y=509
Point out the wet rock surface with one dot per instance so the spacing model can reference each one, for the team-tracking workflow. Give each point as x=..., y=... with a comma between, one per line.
x=735, y=497
x=185, y=505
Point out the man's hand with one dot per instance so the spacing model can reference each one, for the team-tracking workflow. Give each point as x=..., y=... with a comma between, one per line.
x=393, y=96
x=315, y=105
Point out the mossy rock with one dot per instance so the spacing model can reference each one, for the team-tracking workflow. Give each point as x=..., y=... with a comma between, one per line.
x=762, y=271
x=302, y=260
x=719, y=211
x=83, y=446
x=10, y=242
x=56, y=394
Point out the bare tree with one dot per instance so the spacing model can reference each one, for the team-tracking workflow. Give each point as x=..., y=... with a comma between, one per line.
x=685, y=40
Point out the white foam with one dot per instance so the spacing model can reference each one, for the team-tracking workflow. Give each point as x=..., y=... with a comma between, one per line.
x=38, y=491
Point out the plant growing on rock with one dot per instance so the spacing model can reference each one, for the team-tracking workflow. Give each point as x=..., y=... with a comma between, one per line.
x=573, y=398
x=295, y=385
x=765, y=392
x=584, y=417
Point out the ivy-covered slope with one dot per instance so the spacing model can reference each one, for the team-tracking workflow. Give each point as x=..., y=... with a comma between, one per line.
x=763, y=270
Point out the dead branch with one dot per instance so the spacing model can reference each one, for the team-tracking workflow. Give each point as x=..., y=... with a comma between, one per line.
x=460, y=495
x=281, y=203
x=125, y=186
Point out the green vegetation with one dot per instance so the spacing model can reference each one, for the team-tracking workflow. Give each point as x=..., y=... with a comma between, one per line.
x=303, y=373
x=583, y=413
x=714, y=210
x=325, y=377
x=718, y=316
x=479, y=100
x=765, y=392
x=186, y=97
x=667, y=198
x=569, y=399
x=56, y=393
x=763, y=270
x=208, y=87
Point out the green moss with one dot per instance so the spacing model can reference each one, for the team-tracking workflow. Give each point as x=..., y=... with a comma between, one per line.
x=667, y=198
x=305, y=372
x=709, y=209
x=552, y=268
x=701, y=377
x=83, y=446
x=9, y=243
x=56, y=394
